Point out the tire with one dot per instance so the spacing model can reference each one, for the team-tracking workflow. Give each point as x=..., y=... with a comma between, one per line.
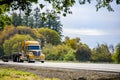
x=42, y=61
x=21, y=60
x=5, y=59
x=28, y=59
x=14, y=58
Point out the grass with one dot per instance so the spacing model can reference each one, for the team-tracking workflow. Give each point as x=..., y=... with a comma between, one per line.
x=12, y=74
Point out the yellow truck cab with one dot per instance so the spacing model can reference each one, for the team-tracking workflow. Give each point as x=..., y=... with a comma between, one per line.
x=31, y=51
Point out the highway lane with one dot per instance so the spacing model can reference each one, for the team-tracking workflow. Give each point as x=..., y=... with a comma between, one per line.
x=78, y=66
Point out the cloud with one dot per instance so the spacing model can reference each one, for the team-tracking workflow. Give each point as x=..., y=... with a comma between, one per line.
x=88, y=32
x=87, y=15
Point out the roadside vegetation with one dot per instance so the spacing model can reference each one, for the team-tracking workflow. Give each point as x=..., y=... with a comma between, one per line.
x=9, y=73
x=54, y=48
x=30, y=23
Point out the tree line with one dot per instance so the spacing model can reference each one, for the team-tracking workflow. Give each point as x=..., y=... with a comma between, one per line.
x=54, y=48
x=35, y=20
x=45, y=26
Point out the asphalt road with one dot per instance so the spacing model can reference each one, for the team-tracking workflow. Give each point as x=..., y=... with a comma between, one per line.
x=78, y=66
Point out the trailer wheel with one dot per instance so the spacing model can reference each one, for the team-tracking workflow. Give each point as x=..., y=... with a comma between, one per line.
x=21, y=60
x=5, y=59
x=14, y=58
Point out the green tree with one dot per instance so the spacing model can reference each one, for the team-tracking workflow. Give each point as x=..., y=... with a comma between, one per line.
x=101, y=53
x=101, y=3
x=25, y=21
x=49, y=53
x=37, y=17
x=31, y=22
x=14, y=43
x=50, y=36
x=35, y=20
x=59, y=52
x=116, y=55
x=25, y=5
x=4, y=20
x=16, y=19
x=53, y=21
x=59, y=6
x=83, y=53
x=4, y=8
x=70, y=56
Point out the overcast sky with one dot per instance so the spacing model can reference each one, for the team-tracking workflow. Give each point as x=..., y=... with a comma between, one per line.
x=93, y=27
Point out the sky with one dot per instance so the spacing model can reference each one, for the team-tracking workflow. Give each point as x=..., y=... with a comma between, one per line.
x=92, y=26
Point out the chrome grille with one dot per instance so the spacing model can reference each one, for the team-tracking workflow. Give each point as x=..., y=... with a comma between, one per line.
x=36, y=53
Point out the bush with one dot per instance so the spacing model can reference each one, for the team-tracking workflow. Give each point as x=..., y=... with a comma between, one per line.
x=101, y=54
x=83, y=53
x=116, y=55
x=70, y=56
x=55, y=52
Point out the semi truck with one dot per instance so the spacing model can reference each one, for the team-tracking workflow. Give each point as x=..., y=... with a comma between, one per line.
x=31, y=52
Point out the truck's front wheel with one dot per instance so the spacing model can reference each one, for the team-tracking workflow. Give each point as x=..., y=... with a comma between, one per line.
x=42, y=61
x=30, y=61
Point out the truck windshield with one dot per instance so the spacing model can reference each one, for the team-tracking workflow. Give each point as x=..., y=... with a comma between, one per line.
x=33, y=47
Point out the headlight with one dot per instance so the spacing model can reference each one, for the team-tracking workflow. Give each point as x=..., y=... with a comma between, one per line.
x=31, y=55
x=42, y=56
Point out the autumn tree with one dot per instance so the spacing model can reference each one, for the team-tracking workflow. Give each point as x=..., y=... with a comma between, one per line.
x=10, y=31
x=7, y=33
x=73, y=43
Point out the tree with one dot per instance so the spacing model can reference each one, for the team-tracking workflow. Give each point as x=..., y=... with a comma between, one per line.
x=70, y=56
x=73, y=43
x=4, y=8
x=4, y=20
x=101, y=53
x=50, y=36
x=53, y=21
x=58, y=52
x=101, y=3
x=83, y=53
x=16, y=19
x=116, y=55
x=35, y=20
x=10, y=31
x=7, y=33
x=14, y=43
x=37, y=17
x=24, y=5
x=59, y=6
x=25, y=21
